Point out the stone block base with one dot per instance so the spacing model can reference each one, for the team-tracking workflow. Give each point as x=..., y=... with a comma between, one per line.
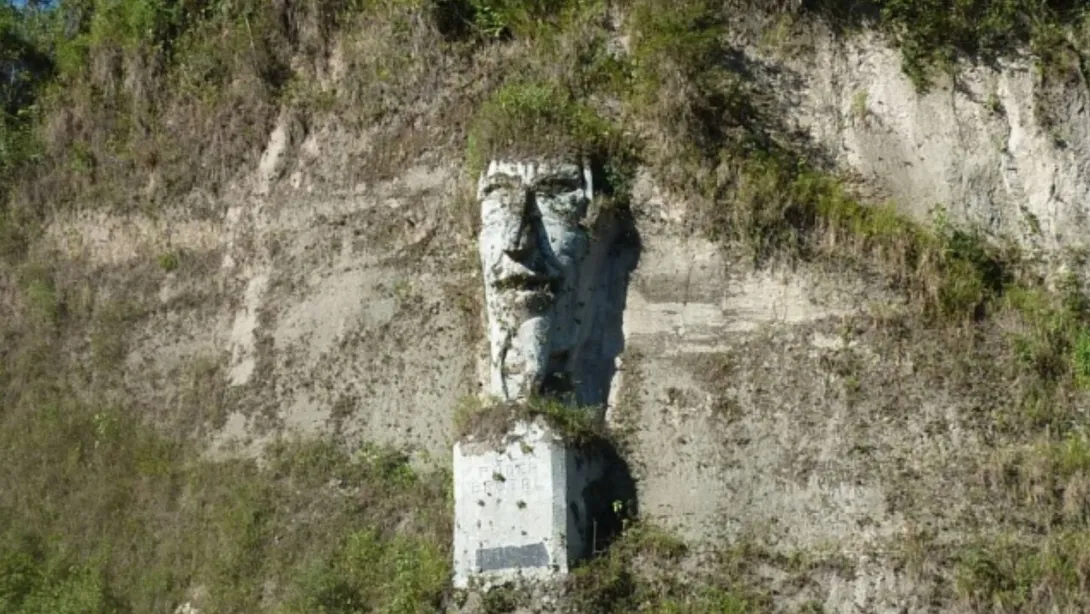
x=525, y=508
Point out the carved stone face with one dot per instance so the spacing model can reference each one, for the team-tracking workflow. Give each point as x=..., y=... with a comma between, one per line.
x=534, y=246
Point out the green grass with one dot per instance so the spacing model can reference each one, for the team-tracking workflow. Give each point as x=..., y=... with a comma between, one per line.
x=640, y=573
x=1045, y=481
x=369, y=573
x=494, y=19
x=134, y=522
x=109, y=506
x=168, y=261
x=678, y=78
x=1039, y=560
x=92, y=118
x=755, y=191
x=523, y=120
x=492, y=421
x=1006, y=576
x=934, y=33
x=219, y=59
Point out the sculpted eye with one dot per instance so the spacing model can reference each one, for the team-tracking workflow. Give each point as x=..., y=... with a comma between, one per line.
x=568, y=208
x=558, y=184
x=499, y=183
x=492, y=187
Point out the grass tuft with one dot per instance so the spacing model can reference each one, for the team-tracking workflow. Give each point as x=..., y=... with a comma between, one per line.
x=525, y=120
x=493, y=421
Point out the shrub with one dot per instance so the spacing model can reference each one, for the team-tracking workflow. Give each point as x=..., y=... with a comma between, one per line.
x=33, y=583
x=1007, y=576
x=24, y=69
x=933, y=33
x=369, y=573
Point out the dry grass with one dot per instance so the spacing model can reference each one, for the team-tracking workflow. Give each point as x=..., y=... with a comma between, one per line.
x=491, y=422
x=105, y=512
x=138, y=521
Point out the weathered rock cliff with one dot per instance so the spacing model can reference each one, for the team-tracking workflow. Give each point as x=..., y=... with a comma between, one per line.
x=802, y=408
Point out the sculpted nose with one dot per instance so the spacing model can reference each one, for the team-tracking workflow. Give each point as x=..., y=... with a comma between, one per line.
x=520, y=241
x=520, y=244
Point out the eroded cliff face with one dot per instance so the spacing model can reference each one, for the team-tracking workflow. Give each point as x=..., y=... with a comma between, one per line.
x=307, y=310
x=1000, y=147
x=785, y=406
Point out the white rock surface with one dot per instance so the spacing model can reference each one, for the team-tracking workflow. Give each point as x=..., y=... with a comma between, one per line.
x=520, y=510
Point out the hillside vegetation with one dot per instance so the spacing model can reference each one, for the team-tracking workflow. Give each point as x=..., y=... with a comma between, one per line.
x=132, y=104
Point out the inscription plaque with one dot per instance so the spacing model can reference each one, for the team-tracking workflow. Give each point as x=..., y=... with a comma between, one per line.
x=513, y=557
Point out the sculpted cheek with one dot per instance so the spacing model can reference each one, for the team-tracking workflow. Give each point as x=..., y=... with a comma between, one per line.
x=569, y=248
x=494, y=212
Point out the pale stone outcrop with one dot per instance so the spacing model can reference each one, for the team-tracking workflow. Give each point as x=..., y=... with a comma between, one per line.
x=1000, y=147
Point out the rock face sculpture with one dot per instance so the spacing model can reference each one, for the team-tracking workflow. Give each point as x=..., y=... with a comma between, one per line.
x=543, y=249
x=555, y=277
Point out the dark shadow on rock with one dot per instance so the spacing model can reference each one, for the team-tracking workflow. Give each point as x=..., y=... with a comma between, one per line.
x=763, y=113
x=609, y=500
x=843, y=16
x=616, y=242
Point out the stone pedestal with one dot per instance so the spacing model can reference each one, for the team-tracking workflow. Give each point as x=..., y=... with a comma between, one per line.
x=524, y=508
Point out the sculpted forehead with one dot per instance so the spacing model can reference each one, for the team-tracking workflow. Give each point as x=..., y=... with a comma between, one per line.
x=545, y=177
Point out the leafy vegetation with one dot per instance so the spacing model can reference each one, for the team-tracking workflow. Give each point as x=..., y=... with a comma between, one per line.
x=106, y=510
x=638, y=573
x=496, y=19
x=23, y=70
x=711, y=134
x=1005, y=576
x=934, y=33
x=369, y=573
x=113, y=92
